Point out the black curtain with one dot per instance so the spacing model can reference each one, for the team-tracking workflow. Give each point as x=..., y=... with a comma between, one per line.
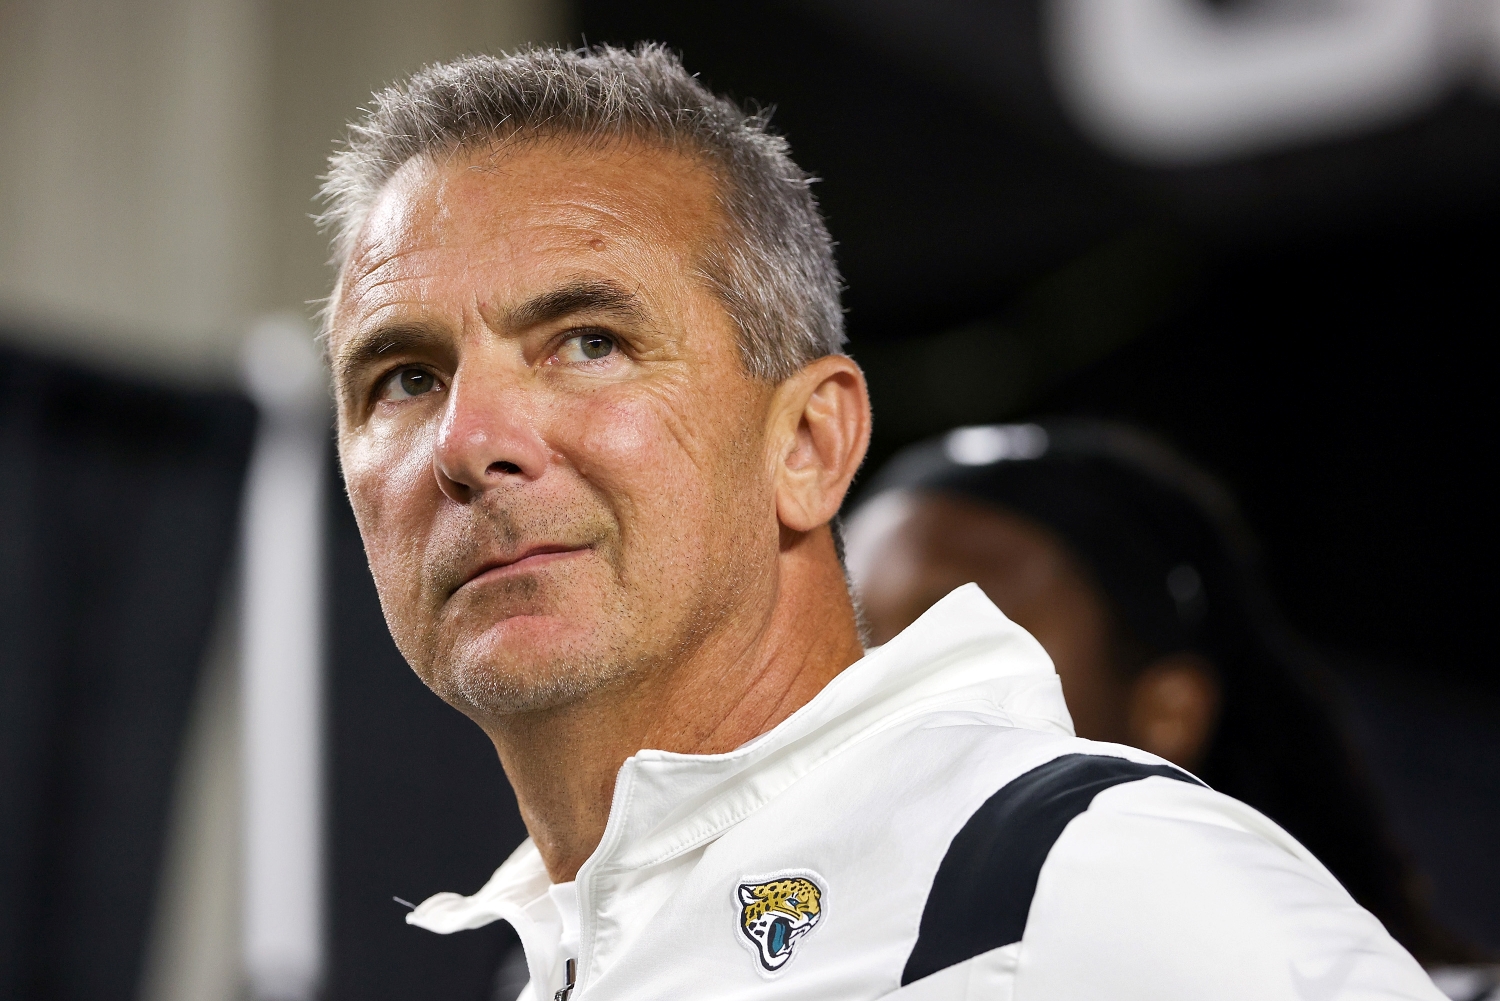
x=119, y=503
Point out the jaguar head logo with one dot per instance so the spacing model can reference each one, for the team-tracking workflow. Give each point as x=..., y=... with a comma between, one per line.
x=776, y=914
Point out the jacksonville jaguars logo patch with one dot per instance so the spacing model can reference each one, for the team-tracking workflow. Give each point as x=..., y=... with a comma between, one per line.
x=776, y=912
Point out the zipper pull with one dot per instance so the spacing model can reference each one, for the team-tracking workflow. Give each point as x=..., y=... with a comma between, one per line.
x=566, y=990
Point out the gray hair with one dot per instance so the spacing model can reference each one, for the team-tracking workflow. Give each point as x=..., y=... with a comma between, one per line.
x=773, y=267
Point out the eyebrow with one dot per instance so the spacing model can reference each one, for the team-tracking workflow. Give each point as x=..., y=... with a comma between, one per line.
x=586, y=295
x=366, y=349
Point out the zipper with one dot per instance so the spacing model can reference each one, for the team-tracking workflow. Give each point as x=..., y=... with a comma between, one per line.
x=566, y=990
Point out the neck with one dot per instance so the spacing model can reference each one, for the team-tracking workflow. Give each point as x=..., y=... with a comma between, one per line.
x=738, y=684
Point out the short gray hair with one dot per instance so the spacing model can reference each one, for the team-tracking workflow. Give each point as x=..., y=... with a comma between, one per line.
x=773, y=266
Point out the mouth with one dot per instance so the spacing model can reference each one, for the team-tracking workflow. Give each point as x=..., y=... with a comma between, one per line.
x=523, y=561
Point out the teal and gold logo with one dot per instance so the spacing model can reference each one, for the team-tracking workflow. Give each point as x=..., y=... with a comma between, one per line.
x=776, y=913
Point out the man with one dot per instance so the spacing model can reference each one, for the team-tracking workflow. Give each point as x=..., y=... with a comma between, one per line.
x=595, y=426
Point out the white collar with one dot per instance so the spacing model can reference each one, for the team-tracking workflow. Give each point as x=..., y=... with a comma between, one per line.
x=963, y=652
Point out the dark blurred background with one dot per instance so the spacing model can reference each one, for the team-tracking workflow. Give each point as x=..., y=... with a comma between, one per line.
x=1266, y=233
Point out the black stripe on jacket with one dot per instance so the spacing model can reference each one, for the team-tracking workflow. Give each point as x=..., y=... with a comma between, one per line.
x=982, y=891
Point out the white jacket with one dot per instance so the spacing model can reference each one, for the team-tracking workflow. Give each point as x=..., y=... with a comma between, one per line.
x=928, y=827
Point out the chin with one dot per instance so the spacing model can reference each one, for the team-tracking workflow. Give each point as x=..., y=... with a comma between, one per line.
x=525, y=663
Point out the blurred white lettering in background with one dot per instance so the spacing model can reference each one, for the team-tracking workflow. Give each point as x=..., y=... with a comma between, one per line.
x=282, y=665
x=1183, y=82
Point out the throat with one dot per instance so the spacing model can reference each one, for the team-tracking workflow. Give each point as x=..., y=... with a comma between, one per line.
x=734, y=686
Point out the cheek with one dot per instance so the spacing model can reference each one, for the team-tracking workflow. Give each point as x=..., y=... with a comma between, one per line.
x=667, y=468
x=394, y=496
x=623, y=446
x=616, y=433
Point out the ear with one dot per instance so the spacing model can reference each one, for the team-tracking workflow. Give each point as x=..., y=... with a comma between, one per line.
x=1173, y=708
x=822, y=428
x=746, y=897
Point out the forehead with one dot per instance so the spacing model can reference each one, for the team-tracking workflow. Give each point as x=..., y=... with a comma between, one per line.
x=521, y=214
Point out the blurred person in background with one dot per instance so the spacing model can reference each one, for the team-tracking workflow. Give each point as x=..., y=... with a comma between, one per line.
x=1134, y=571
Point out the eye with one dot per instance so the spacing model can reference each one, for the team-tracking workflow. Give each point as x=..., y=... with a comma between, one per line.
x=591, y=345
x=405, y=383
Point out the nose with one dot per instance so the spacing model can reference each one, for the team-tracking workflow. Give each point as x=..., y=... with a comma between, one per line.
x=488, y=438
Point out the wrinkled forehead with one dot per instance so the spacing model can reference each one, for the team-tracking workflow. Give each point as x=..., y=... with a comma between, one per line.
x=625, y=192
x=504, y=225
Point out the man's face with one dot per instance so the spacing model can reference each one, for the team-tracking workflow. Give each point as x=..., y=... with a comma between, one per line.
x=556, y=459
